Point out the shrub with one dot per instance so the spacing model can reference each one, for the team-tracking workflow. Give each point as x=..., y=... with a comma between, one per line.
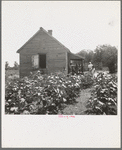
x=104, y=96
x=42, y=94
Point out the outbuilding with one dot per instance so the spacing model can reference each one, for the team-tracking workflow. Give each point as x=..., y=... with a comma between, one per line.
x=44, y=52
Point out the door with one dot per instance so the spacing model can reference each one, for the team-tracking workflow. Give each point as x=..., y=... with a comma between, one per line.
x=42, y=60
x=35, y=61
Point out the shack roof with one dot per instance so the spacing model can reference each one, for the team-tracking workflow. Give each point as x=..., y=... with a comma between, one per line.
x=42, y=30
x=76, y=56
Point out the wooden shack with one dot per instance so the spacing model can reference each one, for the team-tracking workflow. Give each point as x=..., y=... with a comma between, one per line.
x=43, y=52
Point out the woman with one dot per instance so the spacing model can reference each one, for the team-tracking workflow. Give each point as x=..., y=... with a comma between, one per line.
x=90, y=65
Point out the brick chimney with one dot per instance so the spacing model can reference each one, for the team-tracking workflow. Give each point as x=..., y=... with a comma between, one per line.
x=50, y=32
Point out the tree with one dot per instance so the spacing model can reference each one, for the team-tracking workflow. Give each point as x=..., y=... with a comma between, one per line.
x=16, y=66
x=87, y=54
x=82, y=53
x=107, y=54
x=97, y=55
x=90, y=56
x=6, y=65
x=103, y=55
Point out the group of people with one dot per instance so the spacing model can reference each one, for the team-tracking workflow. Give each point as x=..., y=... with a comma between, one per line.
x=76, y=69
x=91, y=69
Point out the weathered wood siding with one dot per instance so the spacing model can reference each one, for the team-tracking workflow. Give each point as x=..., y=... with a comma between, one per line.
x=43, y=43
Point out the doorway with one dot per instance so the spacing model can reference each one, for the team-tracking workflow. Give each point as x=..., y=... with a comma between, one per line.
x=42, y=60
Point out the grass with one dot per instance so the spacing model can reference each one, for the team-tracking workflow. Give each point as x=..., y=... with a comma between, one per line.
x=79, y=107
x=11, y=72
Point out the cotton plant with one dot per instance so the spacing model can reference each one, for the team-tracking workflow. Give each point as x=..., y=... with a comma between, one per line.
x=43, y=94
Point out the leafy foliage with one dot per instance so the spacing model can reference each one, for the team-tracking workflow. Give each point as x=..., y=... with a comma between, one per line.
x=105, y=54
x=42, y=94
x=16, y=66
x=104, y=96
x=87, y=54
x=6, y=65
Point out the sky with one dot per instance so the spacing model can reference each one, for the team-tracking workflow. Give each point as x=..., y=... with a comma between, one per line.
x=76, y=24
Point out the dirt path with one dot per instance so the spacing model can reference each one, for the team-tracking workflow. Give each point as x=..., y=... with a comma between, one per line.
x=79, y=107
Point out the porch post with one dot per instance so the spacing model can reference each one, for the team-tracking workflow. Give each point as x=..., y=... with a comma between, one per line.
x=66, y=63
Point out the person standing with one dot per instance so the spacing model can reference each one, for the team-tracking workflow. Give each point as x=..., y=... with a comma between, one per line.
x=90, y=65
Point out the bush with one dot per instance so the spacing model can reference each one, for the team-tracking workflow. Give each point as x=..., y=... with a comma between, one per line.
x=104, y=96
x=42, y=94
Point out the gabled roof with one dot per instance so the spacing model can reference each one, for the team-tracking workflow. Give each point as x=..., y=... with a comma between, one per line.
x=75, y=56
x=41, y=29
x=79, y=56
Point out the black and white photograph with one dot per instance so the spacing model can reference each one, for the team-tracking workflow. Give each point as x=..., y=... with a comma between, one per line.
x=61, y=59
